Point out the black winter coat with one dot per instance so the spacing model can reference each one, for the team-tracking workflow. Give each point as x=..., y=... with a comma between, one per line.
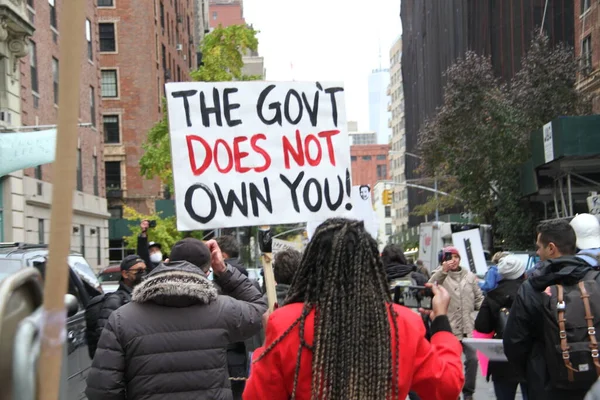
x=524, y=336
x=487, y=320
x=170, y=342
x=112, y=301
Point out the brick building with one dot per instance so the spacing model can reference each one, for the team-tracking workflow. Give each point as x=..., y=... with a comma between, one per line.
x=370, y=163
x=30, y=190
x=143, y=45
x=587, y=48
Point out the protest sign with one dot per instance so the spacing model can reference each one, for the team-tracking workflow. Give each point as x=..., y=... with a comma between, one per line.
x=471, y=252
x=493, y=349
x=362, y=210
x=280, y=245
x=26, y=149
x=258, y=153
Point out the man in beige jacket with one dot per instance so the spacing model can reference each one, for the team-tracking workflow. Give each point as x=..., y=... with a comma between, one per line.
x=465, y=298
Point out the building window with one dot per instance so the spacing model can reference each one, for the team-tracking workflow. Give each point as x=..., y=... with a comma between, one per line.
x=116, y=212
x=112, y=171
x=99, y=247
x=109, y=83
x=108, y=42
x=79, y=171
x=164, y=57
x=88, y=37
x=111, y=129
x=366, y=158
x=382, y=171
x=388, y=229
x=55, y=78
x=162, y=16
x=586, y=54
x=214, y=16
x=82, y=239
x=53, y=19
x=96, y=185
x=30, y=3
x=381, y=157
x=93, y=105
x=388, y=211
x=37, y=173
x=585, y=5
x=33, y=67
x=41, y=238
x=106, y=3
x=352, y=158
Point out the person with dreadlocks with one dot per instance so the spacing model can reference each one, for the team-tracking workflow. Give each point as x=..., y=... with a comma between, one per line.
x=340, y=337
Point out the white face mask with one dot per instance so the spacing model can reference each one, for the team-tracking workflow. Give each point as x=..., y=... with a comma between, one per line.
x=156, y=257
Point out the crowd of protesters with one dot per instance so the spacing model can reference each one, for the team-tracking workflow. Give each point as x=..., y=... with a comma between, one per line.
x=336, y=332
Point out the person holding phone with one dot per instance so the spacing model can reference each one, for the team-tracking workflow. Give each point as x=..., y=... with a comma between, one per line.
x=465, y=298
x=150, y=252
x=340, y=336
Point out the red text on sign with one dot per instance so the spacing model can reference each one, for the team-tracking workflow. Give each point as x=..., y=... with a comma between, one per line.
x=234, y=154
x=309, y=150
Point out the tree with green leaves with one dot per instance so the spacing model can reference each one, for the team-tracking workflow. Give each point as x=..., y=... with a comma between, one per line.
x=480, y=134
x=165, y=232
x=222, y=56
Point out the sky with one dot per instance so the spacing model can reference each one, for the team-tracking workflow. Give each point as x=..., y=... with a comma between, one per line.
x=326, y=40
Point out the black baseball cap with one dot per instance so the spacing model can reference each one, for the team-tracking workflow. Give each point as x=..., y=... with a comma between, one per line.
x=130, y=261
x=154, y=244
x=191, y=250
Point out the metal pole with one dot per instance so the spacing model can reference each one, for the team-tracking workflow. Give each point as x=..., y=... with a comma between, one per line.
x=544, y=18
x=570, y=194
x=437, y=211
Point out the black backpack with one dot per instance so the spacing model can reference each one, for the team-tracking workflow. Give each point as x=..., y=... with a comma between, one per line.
x=570, y=333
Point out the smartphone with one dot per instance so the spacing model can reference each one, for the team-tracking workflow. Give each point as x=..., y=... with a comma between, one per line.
x=152, y=224
x=447, y=256
x=413, y=296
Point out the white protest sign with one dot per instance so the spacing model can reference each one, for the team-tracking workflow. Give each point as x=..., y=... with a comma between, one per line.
x=258, y=153
x=491, y=348
x=362, y=210
x=279, y=245
x=471, y=252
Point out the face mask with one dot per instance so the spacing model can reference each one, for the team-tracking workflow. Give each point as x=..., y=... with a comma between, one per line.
x=138, y=277
x=156, y=257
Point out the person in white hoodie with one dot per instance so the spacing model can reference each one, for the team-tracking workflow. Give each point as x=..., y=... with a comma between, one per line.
x=587, y=230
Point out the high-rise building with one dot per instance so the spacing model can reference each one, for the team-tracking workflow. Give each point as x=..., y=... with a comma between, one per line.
x=29, y=97
x=587, y=48
x=383, y=212
x=379, y=112
x=143, y=46
x=398, y=141
x=435, y=33
x=231, y=12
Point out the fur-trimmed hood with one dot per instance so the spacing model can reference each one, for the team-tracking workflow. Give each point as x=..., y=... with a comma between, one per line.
x=176, y=284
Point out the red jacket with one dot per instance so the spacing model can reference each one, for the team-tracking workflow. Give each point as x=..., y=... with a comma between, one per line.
x=433, y=370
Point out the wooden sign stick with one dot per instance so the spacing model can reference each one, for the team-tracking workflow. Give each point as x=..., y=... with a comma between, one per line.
x=265, y=242
x=72, y=29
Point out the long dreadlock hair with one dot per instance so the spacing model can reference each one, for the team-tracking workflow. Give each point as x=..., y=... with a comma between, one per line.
x=342, y=279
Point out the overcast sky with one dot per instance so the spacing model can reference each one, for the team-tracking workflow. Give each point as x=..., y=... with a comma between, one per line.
x=326, y=40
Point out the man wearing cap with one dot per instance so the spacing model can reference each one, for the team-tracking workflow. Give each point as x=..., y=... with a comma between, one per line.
x=132, y=271
x=170, y=341
x=465, y=298
x=587, y=230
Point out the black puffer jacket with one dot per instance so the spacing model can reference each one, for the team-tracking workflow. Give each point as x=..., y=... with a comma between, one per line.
x=398, y=271
x=524, y=334
x=112, y=301
x=170, y=342
x=486, y=322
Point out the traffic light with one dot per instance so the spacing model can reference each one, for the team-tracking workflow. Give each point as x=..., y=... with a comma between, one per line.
x=387, y=197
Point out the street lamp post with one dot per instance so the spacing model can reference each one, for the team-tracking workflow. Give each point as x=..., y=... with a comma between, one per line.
x=435, y=182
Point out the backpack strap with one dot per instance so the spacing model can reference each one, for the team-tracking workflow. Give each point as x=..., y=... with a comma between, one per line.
x=564, y=345
x=590, y=323
x=591, y=255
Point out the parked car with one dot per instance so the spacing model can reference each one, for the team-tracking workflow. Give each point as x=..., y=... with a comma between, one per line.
x=110, y=277
x=83, y=285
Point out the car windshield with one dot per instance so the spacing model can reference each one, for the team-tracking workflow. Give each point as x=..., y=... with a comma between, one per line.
x=83, y=269
x=109, y=276
x=8, y=267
